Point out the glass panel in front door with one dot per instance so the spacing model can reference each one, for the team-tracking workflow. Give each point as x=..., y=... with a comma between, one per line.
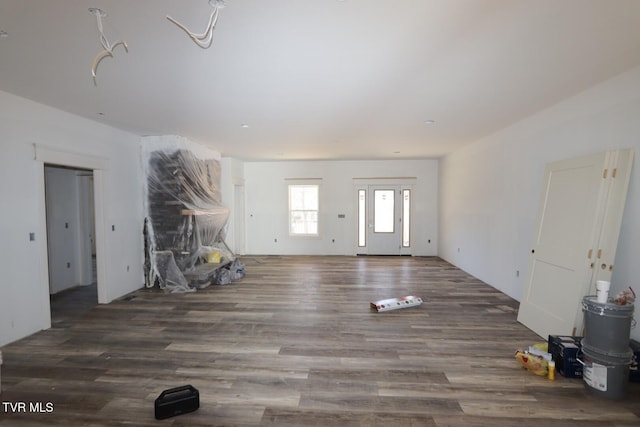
x=384, y=211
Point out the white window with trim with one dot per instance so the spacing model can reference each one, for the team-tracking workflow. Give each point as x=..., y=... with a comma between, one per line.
x=304, y=207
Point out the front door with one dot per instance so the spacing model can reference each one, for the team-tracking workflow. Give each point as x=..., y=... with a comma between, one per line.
x=384, y=226
x=384, y=219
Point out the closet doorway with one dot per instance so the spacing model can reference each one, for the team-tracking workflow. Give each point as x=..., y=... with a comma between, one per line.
x=70, y=222
x=45, y=156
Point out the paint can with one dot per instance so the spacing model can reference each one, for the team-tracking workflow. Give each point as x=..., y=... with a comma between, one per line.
x=607, y=327
x=605, y=375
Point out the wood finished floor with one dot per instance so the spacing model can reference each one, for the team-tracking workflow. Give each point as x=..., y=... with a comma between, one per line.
x=295, y=343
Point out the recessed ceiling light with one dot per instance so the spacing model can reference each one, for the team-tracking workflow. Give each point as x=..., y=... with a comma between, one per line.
x=429, y=122
x=244, y=125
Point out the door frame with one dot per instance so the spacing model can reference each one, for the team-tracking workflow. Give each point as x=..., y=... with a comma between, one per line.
x=403, y=183
x=99, y=165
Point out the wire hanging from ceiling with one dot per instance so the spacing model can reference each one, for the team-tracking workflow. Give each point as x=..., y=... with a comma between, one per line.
x=106, y=45
x=204, y=39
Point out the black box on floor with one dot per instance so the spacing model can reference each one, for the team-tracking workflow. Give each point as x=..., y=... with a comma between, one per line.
x=564, y=351
x=176, y=401
x=634, y=368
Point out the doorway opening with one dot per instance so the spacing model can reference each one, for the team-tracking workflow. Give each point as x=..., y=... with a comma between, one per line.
x=71, y=245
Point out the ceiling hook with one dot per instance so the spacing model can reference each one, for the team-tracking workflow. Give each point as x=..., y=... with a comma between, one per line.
x=204, y=39
x=106, y=45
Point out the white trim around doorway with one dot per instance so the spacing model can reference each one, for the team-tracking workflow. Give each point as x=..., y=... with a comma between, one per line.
x=99, y=165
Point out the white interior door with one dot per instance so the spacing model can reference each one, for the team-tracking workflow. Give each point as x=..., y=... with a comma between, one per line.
x=618, y=174
x=577, y=198
x=384, y=228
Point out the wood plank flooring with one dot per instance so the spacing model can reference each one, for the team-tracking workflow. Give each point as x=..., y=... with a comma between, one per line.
x=295, y=343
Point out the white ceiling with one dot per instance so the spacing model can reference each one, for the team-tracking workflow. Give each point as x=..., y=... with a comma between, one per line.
x=317, y=79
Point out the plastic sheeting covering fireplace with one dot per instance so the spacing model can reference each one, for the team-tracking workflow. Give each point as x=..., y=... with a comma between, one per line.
x=185, y=220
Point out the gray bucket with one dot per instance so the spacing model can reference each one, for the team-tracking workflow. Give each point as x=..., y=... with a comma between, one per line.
x=607, y=327
x=605, y=375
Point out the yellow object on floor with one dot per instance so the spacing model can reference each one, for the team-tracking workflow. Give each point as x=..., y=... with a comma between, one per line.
x=536, y=364
x=213, y=257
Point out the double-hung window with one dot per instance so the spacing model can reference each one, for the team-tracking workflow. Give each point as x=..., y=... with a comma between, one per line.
x=304, y=202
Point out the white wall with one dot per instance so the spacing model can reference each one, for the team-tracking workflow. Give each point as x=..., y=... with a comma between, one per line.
x=232, y=176
x=24, y=289
x=267, y=204
x=489, y=191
